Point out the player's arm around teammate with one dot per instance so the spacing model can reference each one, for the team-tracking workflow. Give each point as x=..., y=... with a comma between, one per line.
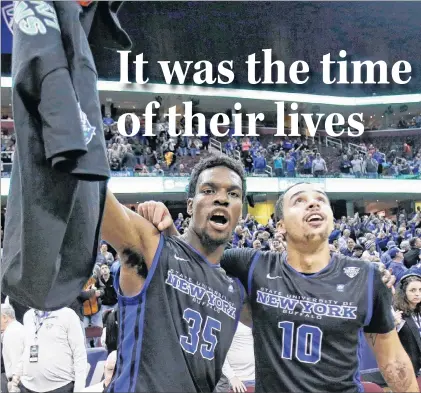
x=134, y=238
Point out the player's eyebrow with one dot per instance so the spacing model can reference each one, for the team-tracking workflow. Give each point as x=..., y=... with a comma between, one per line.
x=214, y=185
x=302, y=192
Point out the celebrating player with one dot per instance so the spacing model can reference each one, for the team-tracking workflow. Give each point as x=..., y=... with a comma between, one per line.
x=310, y=310
x=171, y=322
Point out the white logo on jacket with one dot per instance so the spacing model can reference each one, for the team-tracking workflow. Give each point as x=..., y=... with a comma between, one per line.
x=87, y=128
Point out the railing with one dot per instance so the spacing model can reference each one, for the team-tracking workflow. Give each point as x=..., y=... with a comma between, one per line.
x=357, y=147
x=213, y=143
x=269, y=170
x=237, y=155
x=333, y=141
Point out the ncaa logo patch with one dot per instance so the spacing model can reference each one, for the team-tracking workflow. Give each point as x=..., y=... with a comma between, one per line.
x=87, y=128
x=351, y=272
x=340, y=287
x=7, y=12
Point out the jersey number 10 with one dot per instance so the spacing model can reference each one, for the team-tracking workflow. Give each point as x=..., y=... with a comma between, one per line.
x=308, y=342
x=190, y=343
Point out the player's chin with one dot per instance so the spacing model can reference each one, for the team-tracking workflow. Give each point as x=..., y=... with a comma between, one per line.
x=219, y=238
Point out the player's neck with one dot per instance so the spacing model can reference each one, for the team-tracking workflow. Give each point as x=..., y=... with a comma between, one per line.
x=212, y=255
x=309, y=260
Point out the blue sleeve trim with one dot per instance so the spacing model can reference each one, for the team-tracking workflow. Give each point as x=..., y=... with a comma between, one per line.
x=136, y=298
x=251, y=270
x=370, y=294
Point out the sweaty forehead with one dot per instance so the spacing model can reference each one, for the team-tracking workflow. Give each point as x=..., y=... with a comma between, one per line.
x=221, y=176
x=304, y=188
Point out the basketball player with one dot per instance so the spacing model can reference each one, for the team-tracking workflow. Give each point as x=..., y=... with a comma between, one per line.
x=178, y=310
x=310, y=310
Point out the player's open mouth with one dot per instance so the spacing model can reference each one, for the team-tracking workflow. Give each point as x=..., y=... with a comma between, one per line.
x=219, y=220
x=314, y=219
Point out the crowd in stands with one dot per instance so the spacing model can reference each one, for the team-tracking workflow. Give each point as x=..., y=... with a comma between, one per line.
x=395, y=243
x=263, y=156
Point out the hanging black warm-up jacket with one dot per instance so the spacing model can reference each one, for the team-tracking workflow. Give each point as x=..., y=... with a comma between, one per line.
x=60, y=169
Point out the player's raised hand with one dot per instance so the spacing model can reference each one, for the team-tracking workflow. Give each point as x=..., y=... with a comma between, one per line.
x=237, y=385
x=387, y=277
x=156, y=213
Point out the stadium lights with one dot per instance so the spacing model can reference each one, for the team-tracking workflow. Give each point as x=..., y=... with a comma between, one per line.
x=157, y=88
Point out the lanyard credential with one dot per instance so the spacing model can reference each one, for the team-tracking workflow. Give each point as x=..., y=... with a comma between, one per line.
x=40, y=317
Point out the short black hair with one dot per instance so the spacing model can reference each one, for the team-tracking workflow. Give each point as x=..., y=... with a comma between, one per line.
x=212, y=162
x=412, y=242
x=279, y=206
x=357, y=247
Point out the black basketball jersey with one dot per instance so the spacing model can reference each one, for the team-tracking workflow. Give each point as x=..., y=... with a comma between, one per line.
x=308, y=328
x=175, y=334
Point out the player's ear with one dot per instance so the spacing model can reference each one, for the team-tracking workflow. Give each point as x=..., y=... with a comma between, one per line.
x=190, y=206
x=280, y=227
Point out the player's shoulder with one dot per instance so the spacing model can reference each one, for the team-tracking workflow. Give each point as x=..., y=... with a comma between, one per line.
x=66, y=312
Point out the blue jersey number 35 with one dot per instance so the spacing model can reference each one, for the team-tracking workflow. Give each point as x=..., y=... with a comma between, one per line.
x=190, y=343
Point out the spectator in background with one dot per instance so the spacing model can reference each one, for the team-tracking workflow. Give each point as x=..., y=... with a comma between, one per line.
x=345, y=165
x=245, y=144
x=150, y=159
x=108, y=374
x=385, y=258
x=105, y=284
x=257, y=245
x=205, y=142
x=396, y=263
x=109, y=338
x=305, y=164
x=358, y=251
x=92, y=307
x=349, y=250
x=343, y=240
x=179, y=221
x=371, y=166
x=170, y=159
x=13, y=343
x=370, y=254
x=248, y=162
x=54, y=356
x=319, y=166
x=182, y=171
x=358, y=166
x=411, y=257
x=259, y=164
x=239, y=366
x=290, y=165
x=107, y=256
x=407, y=300
x=157, y=171
x=278, y=164
x=128, y=161
x=182, y=146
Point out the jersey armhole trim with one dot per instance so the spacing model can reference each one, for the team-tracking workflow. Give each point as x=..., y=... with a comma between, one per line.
x=370, y=294
x=251, y=270
x=135, y=299
x=242, y=295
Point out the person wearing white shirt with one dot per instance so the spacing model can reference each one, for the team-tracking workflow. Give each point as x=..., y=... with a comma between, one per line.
x=239, y=366
x=54, y=356
x=12, y=339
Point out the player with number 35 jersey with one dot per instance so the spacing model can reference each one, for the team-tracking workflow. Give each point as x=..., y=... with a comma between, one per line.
x=177, y=322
